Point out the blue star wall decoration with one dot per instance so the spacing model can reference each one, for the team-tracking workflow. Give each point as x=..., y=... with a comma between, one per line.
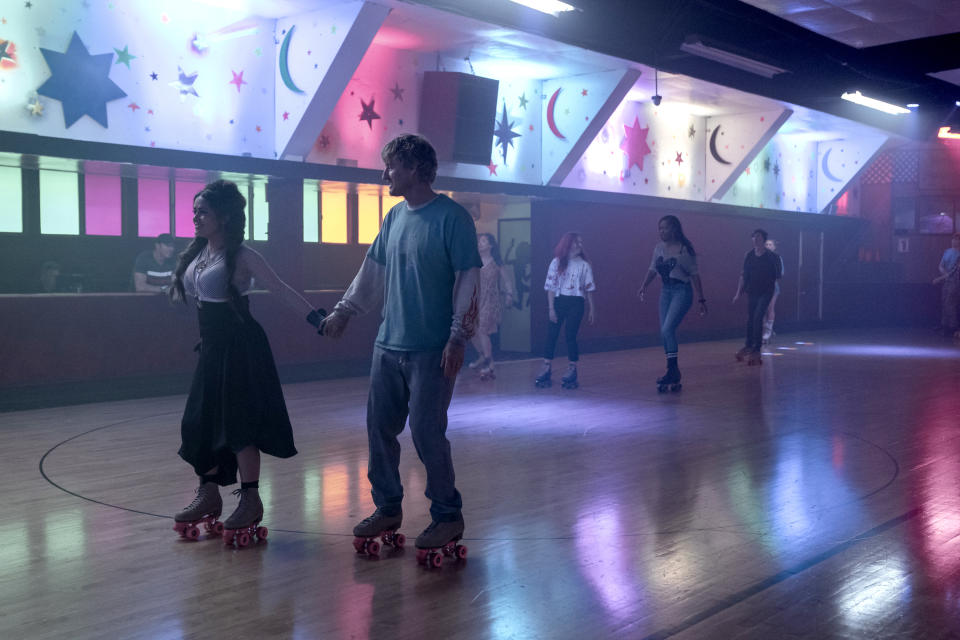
x=184, y=84
x=80, y=82
x=504, y=133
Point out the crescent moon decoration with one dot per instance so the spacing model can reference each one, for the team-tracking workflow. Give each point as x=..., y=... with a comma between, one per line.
x=826, y=167
x=284, y=69
x=550, y=120
x=713, y=147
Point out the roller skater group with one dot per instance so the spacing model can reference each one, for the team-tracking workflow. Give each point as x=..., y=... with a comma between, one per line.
x=451, y=292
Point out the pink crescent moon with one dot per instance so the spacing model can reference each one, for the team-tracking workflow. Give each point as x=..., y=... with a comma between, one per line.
x=550, y=121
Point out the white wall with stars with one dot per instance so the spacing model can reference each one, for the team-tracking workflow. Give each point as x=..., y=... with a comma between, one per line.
x=212, y=95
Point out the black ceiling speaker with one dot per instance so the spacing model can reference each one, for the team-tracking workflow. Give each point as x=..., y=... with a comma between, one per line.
x=457, y=115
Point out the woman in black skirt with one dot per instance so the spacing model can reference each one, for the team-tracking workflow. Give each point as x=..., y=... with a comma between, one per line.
x=235, y=409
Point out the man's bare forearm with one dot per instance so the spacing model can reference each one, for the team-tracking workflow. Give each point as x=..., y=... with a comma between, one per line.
x=464, y=305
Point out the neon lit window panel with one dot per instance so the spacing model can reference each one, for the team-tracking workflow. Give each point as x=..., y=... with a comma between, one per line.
x=368, y=217
x=59, y=203
x=311, y=229
x=11, y=213
x=102, y=205
x=389, y=202
x=183, y=207
x=153, y=207
x=333, y=209
x=261, y=212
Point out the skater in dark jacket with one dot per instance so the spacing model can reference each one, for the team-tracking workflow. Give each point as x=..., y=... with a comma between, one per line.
x=761, y=270
x=676, y=262
x=235, y=409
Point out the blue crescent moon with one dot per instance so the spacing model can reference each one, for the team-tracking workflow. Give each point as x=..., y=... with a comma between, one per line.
x=284, y=70
x=826, y=167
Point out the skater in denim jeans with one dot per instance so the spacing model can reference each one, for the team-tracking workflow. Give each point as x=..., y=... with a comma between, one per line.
x=675, y=260
x=423, y=266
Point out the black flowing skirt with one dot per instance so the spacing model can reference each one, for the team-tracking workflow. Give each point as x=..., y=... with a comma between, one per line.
x=235, y=399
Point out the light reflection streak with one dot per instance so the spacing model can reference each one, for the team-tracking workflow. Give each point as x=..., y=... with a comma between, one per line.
x=64, y=536
x=14, y=550
x=335, y=486
x=606, y=563
x=874, y=592
x=935, y=491
x=805, y=484
x=311, y=492
x=890, y=351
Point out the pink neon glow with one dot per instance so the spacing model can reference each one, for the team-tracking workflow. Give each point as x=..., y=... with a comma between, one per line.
x=153, y=215
x=183, y=207
x=102, y=205
x=945, y=132
x=397, y=39
x=843, y=204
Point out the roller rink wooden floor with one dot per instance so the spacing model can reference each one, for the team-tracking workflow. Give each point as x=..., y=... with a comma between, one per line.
x=816, y=496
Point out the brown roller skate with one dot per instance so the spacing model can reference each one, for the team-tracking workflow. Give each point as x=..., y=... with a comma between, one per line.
x=438, y=540
x=243, y=524
x=204, y=510
x=754, y=358
x=379, y=526
x=743, y=354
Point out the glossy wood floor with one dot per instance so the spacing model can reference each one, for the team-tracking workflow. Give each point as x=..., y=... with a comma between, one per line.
x=817, y=496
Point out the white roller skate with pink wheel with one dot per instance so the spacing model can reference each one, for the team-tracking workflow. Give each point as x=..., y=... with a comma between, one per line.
x=243, y=525
x=203, y=511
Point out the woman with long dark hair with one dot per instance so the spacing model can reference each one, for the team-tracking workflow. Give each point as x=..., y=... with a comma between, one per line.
x=496, y=291
x=235, y=408
x=675, y=260
x=570, y=288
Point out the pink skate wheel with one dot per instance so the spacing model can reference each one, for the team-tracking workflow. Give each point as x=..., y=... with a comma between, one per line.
x=373, y=548
x=460, y=552
x=193, y=533
x=262, y=533
x=422, y=556
x=358, y=544
x=228, y=536
x=217, y=528
x=436, y=560
x=243, y=539
x=399, y=540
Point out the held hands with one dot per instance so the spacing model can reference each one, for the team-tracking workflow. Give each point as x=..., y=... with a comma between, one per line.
x=316, y=317
x=553, y=315
x=334, y=324
x=452, y=358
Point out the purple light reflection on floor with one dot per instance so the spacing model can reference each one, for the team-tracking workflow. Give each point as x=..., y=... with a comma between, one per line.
x=889, y=351
x=578, y=413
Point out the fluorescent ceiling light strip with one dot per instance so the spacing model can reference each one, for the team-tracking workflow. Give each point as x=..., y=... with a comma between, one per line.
x=858, y=98
x=697, y=48
x=553, y=7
